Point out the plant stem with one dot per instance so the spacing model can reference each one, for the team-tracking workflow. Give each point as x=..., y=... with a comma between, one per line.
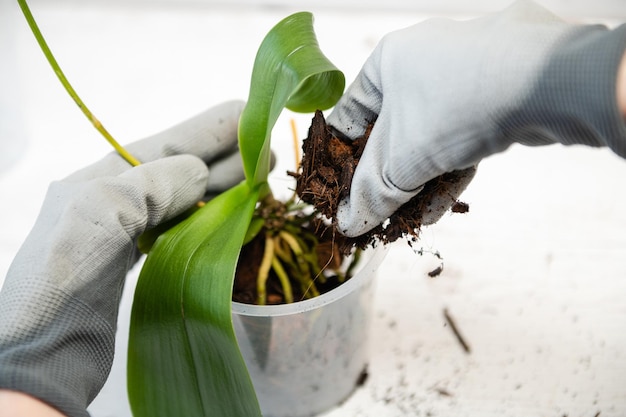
x=264, y=268
x=307, y=272
x=284, y=279
x=296, y=145
x=68, y=87
x=293, y=243
x=296, y=152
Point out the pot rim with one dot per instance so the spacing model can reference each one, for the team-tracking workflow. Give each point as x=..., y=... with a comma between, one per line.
x=376, y=256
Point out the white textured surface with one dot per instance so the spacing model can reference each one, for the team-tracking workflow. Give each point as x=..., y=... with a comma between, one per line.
x=534, y=274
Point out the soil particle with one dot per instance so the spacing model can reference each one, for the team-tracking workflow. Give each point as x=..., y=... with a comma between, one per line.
x=327, y=168
x=459, y=207
x=362, y=378
x=455, y=330
x=436, y=272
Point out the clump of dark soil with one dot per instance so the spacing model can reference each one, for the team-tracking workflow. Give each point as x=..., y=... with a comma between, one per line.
x=327, y=168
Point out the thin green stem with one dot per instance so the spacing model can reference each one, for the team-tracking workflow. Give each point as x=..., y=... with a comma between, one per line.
x=68, y=87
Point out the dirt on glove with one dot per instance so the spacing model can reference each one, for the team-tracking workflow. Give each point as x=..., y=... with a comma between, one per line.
x=325, y=178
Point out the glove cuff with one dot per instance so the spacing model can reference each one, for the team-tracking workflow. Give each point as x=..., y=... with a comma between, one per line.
x=52, y=346
x=575, y=99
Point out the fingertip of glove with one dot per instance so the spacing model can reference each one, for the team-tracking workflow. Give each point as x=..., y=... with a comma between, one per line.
x=234, y=106
x=442, y=202
x=192, y=163
x=175, y=183
x=181, y=168
x=351, y=222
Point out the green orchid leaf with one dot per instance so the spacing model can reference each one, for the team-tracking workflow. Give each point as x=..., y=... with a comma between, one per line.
x=256, y=225
x=289, y=71
x=184, y=359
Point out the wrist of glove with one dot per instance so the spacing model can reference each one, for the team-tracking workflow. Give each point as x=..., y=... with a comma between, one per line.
x=446, y=94
x=60, y=299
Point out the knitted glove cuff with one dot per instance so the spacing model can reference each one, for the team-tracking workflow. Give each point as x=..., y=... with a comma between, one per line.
x=574, y=100
x=53, y=346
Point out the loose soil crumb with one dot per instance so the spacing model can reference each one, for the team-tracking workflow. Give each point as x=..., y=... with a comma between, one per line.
x=450, y=321
x=459, y=207
x=327, y=168
x=436, y=272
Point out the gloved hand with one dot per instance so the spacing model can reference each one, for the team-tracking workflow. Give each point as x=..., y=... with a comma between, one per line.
x=59, y=303
x=445, y=94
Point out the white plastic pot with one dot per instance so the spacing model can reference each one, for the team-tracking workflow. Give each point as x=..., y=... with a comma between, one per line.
x=306, y=357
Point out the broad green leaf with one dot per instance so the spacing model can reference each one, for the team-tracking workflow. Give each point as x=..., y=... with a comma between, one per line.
x=289, y=71
x=184, y=359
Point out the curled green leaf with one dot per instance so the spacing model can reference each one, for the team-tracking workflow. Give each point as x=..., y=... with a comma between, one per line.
x=289, y=71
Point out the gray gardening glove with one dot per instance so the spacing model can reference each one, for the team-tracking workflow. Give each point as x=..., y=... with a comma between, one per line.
x=59, y=303
x=445, y=94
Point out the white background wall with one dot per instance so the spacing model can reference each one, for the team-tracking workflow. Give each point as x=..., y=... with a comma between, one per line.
x=585, y=8
x=608, y=9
